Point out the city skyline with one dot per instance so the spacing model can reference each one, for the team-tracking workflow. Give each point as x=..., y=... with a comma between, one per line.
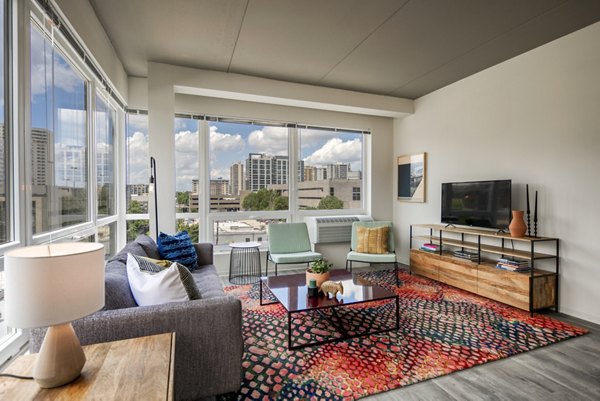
x=231, y=143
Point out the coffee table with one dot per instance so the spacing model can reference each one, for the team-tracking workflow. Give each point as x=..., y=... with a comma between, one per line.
x=292, y=293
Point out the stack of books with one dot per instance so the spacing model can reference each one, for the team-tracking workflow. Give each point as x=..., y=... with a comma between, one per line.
x=467, y=255
x=431, y=247
x=513, y=265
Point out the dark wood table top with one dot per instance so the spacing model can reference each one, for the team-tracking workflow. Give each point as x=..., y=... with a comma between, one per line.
x=292, y=292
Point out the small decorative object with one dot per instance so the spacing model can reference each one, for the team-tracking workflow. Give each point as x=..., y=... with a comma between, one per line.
x=411, y=177
x=318, y=271
x=528, y=212
x=331, y=287
x=517, y=225
x=313, y=290
x=535, y=220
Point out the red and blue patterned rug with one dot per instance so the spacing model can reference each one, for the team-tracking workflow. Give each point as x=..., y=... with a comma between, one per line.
x=442, y=330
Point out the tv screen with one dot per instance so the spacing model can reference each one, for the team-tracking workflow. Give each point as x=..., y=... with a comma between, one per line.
x=477, y=203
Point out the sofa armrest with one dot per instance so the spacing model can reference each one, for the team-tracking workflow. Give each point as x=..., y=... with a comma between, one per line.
x=209, y=345
x=204, y=250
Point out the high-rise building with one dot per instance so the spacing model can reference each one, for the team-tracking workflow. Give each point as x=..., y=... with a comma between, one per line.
x=104, y=164
x=70, y=166
x=41, y=152
x=236, y=178
x=310, y=173
x=195, y=186
x=219, y=187
x=338, y=171
x=137, y=189
x=321, y=173
x=263, y=170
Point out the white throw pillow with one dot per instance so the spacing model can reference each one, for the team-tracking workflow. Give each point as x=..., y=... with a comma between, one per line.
x=152, y=284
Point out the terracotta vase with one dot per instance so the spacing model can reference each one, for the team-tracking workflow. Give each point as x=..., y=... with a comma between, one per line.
x=517, y=226
x=319, y=278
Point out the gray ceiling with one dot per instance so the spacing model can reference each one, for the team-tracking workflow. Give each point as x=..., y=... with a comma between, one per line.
x=403, y=48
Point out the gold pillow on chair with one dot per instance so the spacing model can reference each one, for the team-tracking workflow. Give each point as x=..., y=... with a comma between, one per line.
x=372, y=240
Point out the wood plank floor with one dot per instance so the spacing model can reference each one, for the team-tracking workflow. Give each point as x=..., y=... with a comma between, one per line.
x=565, y=371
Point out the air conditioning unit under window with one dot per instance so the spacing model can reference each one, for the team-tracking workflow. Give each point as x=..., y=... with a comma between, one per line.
x=330, y=229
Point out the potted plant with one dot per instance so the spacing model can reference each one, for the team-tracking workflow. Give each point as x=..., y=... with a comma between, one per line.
x=318, y=271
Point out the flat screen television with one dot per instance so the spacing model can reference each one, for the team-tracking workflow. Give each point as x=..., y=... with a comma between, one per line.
x=477, y=203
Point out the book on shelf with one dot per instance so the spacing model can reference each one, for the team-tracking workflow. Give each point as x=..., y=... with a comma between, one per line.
x=431, y=247
x=513, y=265
x=466, y=255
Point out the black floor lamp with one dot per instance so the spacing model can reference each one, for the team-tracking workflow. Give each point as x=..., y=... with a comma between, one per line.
x=153, y=184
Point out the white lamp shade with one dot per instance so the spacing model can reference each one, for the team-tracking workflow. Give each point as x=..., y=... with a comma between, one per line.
x=46, y=285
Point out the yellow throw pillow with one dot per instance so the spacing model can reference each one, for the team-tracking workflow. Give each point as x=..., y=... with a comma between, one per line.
x=372, y=240
x=161, y=262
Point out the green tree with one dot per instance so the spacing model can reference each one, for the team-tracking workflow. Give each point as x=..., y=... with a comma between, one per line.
x=265, y=199
x=183, y=198
x=192, y=229
x=136, y=207
x=330, y=202
x=137, y=227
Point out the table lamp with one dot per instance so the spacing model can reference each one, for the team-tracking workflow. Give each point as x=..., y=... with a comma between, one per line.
x=52, y=285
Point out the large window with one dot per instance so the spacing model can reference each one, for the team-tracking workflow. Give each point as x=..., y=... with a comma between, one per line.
x=138, y=174
x=105, y=158
x=59, y=140
x=249, y=167
x=187, y=158
x=138, y=163
x=333, y=168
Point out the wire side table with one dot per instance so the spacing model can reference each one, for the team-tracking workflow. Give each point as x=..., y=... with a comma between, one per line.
x=244, y=262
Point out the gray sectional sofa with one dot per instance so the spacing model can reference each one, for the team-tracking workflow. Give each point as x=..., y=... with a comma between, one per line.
x=208, y=347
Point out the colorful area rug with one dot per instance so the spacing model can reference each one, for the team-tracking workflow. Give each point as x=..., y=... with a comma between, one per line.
x=442, y=330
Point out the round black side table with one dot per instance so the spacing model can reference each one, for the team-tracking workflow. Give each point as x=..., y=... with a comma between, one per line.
x=244, y=263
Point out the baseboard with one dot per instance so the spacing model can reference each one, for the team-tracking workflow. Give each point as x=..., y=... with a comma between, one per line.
x=584, y=316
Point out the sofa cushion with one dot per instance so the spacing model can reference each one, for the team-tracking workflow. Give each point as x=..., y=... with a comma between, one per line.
x=152, y=284
x=148, y=245
x=117, y=294
x=178, y=248
x=208, y=281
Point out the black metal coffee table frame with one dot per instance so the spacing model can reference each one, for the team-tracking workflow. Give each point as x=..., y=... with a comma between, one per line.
x=338, y=325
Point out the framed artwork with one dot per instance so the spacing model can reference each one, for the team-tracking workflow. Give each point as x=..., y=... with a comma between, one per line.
x=411, y=177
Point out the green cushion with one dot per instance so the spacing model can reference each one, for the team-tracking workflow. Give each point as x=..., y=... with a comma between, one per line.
x=371, y=257
x=372, y=224
x=296, y=257
x=288, y=238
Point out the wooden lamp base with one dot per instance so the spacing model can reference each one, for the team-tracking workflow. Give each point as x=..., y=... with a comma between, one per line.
x=61, y=357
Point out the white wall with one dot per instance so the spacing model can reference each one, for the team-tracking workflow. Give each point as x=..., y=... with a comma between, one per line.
x=534, y=119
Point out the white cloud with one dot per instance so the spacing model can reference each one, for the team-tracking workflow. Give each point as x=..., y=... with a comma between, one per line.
x=137, y=122
x=186, y=159
x=224, y=142
x=270, y=140
x=337, y=151
x=312, y=137
x=138, y=158
x=44, y=64
x=219, y=173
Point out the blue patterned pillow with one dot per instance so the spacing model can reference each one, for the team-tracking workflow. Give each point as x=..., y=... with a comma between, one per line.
x=178, y=248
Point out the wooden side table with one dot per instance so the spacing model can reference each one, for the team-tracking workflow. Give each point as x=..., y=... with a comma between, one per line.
x=244, y=262
x=135, y=369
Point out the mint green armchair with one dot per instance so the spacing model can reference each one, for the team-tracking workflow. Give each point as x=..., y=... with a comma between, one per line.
x=289, y=244
x=372, y=258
